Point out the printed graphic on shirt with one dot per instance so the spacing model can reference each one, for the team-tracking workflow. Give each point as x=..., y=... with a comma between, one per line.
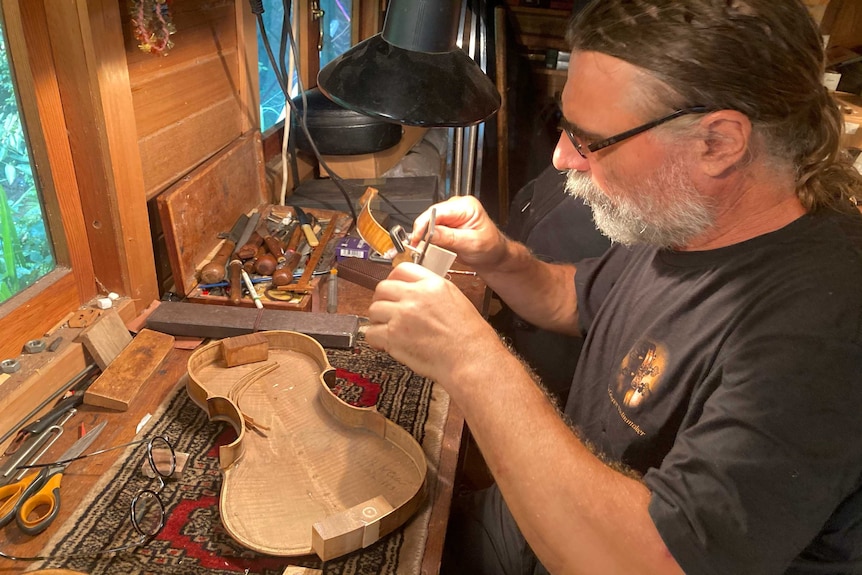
x=638, y=379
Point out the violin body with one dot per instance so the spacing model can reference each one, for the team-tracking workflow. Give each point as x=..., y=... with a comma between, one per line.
x=307, y=473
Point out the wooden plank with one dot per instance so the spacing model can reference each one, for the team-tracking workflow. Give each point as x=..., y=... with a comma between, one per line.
x=216, y=321
x=120, y=382
x=106, y=338
x=183, y=92
x=205, y=28
x=35, y=310
x=207, y=202
x=87, y=43
x=195, y=139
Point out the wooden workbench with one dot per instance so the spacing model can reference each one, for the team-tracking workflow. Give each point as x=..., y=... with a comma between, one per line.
x=81, y=477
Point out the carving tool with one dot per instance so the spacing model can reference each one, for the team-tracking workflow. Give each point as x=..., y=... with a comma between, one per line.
x=428, y=234
x=235, y=281
x=249, y=249
x=284, y=274
x=235, y=266
x=251, y=291
x=248, y=230
x=214, y=271
x=305, y=222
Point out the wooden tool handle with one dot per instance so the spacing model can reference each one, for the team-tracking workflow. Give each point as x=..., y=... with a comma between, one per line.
x=235, y=281
x=284, y=274
x=274, y=246
x=265, y=265
x=250, y=248
x=213, y=272
x=309, y=236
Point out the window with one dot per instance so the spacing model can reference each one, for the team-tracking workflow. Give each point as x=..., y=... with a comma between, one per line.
x=26, y=253
x=64, y=259
x=335, y=27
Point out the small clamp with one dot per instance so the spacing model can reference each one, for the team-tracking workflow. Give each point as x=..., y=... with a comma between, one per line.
x=400, y=240
x=35, y=346
x=399, y=237
x=10, y=365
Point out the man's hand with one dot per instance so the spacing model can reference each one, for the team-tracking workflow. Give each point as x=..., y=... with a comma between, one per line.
x=425, y=322
x=463, y=226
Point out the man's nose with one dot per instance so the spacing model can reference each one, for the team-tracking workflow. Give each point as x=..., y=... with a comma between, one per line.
x=566, y=157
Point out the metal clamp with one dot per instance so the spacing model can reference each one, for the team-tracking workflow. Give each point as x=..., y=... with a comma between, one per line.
x=35, y=346
x=10, y=365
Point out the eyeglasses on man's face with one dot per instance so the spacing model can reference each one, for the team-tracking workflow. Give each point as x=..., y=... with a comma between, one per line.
x=583, y=148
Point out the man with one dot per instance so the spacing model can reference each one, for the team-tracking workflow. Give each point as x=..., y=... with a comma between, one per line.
x=715, y=411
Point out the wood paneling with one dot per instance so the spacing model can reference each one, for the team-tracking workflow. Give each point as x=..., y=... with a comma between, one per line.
x=196, y=100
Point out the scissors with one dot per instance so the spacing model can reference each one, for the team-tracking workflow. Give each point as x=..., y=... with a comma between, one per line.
x=40, y=489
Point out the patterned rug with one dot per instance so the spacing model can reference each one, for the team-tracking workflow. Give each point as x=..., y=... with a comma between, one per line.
x=194, y=541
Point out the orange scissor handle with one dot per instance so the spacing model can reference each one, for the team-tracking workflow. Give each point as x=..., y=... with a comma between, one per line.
x=10, y=497
x=31, y=519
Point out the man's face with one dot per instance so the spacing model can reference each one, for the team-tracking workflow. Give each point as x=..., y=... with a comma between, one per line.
x=664, y=209
x=641, y=189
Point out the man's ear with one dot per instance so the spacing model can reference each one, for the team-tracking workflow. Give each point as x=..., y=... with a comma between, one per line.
x=726, y=141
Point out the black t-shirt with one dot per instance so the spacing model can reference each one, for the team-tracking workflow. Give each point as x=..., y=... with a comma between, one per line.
x=732, y=379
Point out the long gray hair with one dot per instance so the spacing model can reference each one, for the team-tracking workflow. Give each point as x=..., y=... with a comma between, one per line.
x=763, y=58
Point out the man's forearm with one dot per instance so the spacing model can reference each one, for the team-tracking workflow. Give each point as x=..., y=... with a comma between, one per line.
x=578, y=514
x=539, y=292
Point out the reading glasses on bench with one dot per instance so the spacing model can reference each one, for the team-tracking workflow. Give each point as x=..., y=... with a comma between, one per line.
x=146, y=510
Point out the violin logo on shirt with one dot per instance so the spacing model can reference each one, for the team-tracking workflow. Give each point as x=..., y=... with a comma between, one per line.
x=638, y=379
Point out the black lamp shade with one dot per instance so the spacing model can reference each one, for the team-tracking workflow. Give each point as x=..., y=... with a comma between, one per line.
x=413, y=72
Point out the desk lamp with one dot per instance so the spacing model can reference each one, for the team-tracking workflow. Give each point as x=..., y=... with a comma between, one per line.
x=413, y=72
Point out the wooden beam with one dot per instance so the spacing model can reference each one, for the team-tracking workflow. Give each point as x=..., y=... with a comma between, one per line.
x=87, y=43
x=249, y=88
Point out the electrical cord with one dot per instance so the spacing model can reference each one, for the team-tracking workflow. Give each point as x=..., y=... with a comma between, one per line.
x=281, y=75
x=281, y=78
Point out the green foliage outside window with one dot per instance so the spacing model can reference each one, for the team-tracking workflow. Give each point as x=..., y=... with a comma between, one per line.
x=25, y=248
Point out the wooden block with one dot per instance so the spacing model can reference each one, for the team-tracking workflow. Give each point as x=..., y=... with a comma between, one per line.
x=105, y=338
x=218, y=321
x=357, y=527
x=120, y=382
x=137, y=323
x=297, y=570
x=244, y=349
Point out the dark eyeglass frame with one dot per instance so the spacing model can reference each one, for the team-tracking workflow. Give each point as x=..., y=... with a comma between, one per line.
x=142, y=497
x=616, y=139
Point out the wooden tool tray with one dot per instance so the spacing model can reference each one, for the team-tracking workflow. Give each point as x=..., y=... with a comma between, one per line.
x=209, y=200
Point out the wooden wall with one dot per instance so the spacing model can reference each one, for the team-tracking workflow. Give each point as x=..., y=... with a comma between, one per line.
x=193, y=102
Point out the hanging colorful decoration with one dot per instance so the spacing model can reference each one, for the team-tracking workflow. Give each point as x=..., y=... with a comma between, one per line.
x=152, y=25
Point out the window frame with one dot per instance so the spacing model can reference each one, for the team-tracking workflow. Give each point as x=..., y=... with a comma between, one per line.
x=75, y=100
x=35, y=309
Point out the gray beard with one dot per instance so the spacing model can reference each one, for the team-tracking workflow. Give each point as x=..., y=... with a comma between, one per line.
x=664, y=210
